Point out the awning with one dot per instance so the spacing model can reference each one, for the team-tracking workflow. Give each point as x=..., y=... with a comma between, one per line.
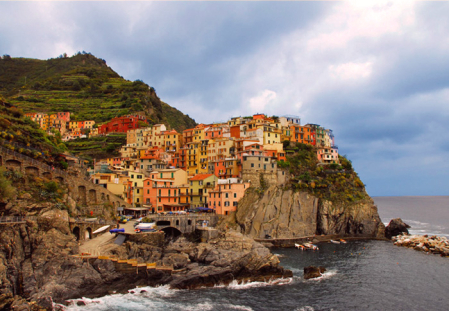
x=136, y=208
x=174, y=205
x=204, y=209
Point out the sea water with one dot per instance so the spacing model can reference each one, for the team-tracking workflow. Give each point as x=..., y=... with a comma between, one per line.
x=361, y=275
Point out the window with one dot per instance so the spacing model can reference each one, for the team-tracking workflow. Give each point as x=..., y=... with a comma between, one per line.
x=226, y=195
x=235, y=195
x=252, y=164
x=137, y=190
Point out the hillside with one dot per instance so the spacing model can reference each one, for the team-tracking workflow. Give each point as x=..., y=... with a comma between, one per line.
x=85, y=86
x=22, y=135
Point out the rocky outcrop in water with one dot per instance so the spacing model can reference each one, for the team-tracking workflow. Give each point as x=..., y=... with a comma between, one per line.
x=434, y=244
x=286, y=214
x=396, y=227
x=311, y=272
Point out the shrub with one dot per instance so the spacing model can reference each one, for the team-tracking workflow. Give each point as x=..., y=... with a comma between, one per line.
x=6, y=190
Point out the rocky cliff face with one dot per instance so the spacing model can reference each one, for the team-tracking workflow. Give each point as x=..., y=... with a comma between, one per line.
x=285, y=214
x=37, y=264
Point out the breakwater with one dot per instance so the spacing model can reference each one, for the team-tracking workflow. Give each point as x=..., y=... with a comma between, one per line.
x=433, y=244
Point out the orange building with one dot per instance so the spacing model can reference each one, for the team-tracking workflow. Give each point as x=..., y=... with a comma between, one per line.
x=302, y=134
x=162, y=191
x=226, y=194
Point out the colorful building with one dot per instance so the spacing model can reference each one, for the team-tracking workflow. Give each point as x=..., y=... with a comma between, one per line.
x=225, y=196
x=163, y=190
x=123, y=124
x=199, y=186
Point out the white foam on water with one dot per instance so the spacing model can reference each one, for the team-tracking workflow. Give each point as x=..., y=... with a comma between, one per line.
x=204, y=306
x=415, y=222
x=245, y=285
x=296, y=270
x=326, y=275
x=306, y=308
x=237, y=307
x=137, y=301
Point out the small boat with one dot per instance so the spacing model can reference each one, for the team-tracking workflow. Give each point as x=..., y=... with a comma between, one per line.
x=311, y=246
x=101, y=229
x=117, y=230
x=335, y=242
x=299, y=246
x=343, y=241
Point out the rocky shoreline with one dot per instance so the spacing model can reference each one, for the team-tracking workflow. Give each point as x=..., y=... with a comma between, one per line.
x=438, y=245
x=40, y=265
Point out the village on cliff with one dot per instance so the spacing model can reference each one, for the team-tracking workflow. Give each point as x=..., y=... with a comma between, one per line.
x=207, y=168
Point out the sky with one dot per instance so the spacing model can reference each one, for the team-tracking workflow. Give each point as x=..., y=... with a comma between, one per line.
x=376, y=73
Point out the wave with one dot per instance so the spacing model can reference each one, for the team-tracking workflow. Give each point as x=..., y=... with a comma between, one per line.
x=245, y=285
x=135, y=299
x=326, y=275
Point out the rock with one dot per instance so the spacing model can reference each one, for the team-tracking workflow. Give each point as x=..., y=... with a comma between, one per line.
x=313, y=272
x=80, y=303
x=25, y=196
x=396, y=227
x=285, y=214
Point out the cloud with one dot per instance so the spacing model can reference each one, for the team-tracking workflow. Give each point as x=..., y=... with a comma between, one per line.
x=258, y=104
x=377, y=73
x=351, y=71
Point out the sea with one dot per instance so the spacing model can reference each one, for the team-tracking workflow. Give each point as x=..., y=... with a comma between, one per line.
x=361, y=275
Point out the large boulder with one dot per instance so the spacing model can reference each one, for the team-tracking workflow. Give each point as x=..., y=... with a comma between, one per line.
x=396, y=227
x=311, y=272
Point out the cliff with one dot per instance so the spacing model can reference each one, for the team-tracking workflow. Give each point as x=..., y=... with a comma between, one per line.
x=287, y=214
x=37, y=263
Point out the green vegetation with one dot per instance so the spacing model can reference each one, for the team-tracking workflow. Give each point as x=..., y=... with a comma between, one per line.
x=84, y=86
x=99, y=147
x=22, y=135
x=7, y=191
x=334, y=182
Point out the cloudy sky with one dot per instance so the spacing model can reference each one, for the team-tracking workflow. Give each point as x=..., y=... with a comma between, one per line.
x=377, y=73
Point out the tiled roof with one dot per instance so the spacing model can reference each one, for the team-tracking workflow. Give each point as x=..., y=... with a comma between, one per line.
x=200, y=176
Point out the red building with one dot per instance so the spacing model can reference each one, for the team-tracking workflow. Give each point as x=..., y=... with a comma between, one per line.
x=63, y=116
x=122, y=124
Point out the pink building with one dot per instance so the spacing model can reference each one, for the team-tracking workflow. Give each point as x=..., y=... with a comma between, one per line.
x=226, y=195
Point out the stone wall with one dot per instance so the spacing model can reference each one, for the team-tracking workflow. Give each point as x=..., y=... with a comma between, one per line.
x=82, y=194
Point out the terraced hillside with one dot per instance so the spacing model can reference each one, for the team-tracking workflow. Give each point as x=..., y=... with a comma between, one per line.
x=85, y=86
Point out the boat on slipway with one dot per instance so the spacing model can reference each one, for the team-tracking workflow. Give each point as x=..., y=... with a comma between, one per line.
x=307, y=246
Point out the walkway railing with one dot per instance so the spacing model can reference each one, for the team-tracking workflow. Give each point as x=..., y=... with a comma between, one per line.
x=16, y=219
x=94, y=222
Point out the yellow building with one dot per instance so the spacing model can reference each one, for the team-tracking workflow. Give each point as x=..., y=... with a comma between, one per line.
x=172, y=141
x=200, y=185
x=133, y=188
